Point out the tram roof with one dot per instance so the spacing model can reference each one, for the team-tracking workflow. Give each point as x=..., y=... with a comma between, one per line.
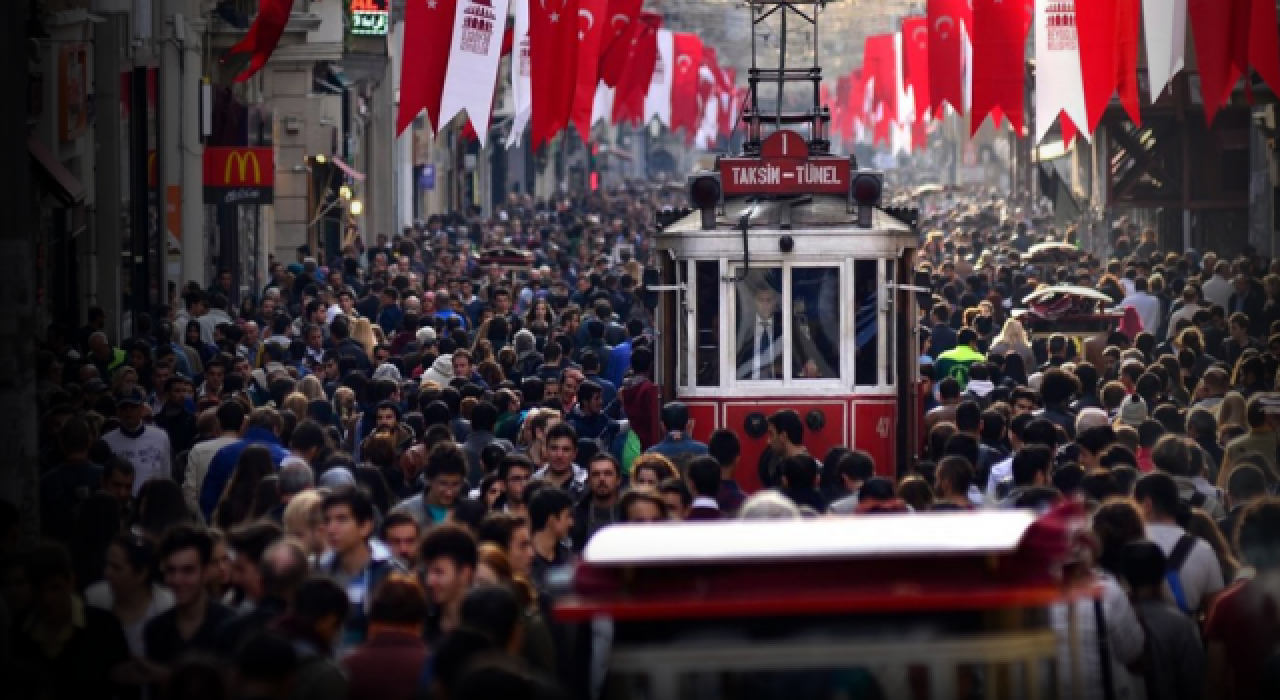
x=763, y=541
x=808, y=214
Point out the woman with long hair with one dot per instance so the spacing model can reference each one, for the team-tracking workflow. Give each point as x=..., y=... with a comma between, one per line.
x=362, y=333
x=1202, y=526
x=540, y=311
x=1013, y=339
x=237, y=501
x=128, y=588
x=159, y=506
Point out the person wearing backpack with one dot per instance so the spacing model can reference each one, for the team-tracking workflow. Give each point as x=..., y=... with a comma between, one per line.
x=1175, y=658
x=1193, y=573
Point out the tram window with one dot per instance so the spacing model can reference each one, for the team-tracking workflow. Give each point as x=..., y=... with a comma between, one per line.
x=758, y=348
x=708, y=322
x=892, y=296
x=815, y=323
x=866, y=323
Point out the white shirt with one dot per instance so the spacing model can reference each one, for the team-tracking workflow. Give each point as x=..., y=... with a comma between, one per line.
x=1000, y=471
x=1217, y=290
x=148, y=453
x=1148, y=308
x=331, y=313
x=198, y=460
x=761, y=364
x=1201, y=575
x=1187, y=311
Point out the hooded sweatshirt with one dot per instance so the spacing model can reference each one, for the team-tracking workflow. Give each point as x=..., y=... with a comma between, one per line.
x=441, y=371
x=639, y=398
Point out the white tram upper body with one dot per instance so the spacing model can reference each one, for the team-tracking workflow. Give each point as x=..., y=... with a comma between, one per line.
x=783, y=291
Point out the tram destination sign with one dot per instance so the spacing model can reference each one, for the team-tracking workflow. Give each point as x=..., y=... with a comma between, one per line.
x=785, y=167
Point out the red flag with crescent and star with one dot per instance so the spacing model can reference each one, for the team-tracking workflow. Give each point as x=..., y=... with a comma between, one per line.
x=636, y=70
x=620, y=29
x=590, y=36
x=428, y=33
x=915, y=57
x=945, y=21
x=685, y=113
x=553, y=46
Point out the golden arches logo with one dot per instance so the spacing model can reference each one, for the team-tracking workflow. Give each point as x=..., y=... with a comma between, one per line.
x=242, y=160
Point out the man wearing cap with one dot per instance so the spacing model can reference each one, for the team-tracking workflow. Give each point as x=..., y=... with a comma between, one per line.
x=145, y=446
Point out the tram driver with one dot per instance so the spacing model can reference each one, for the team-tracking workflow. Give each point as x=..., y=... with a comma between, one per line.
x=760, y=341
x=760, y=333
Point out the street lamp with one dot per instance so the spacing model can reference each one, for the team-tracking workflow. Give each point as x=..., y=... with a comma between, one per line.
x=345, y=192
x=320, y=158
x=357, y=207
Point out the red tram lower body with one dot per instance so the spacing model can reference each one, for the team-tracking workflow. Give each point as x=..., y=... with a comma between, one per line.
x=865, y=422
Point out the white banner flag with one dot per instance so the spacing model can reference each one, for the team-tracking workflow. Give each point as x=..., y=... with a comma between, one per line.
x=521, y=82
x=478, y=26
x=1164, y=24
x=1059, y=87
x=657, y=103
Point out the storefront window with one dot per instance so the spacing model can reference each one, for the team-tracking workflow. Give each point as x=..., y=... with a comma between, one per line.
x=707, y=322
x=759, y=342
x=866, y=326
x=815, y=326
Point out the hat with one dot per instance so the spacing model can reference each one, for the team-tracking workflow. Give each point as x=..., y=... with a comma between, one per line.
x=426, y=335
x=441, y=371
x=133, y=396
x=386, y=370
x=336, y=478
x=95, y=384
x=1133, y=410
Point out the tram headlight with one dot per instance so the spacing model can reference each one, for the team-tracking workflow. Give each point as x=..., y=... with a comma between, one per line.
x=865, y=191
x=867, y=188
x=706, y=195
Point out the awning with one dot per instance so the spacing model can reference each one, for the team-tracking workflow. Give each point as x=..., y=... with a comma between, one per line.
x=348, y=170
x=60, y=182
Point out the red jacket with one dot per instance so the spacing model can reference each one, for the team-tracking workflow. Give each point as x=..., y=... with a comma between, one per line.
x=641, y=403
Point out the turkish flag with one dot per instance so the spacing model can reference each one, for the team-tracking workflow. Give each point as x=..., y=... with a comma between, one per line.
x=590, y=37
x=945, y=20
x=854, y=110
x=636, y=70
x=262, y=38
x=620, y=27
x=880, y=71
x=684, y=83
x=428, y=34
x=915, y=58
x=999, y=52
x=553, y=47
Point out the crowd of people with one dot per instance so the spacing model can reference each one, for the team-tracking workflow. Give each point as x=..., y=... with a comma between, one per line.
x=363, y=480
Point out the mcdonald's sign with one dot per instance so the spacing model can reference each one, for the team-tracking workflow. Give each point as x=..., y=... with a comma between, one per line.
x=240, y=175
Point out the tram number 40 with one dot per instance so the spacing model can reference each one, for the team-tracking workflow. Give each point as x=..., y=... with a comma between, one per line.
x=882, y=427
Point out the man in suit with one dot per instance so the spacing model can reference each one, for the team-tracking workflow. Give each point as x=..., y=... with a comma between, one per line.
x=760, y=337
x=704, y=479
x=1248, y=300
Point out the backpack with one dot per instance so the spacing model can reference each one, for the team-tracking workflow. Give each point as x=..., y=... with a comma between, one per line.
x=1173, y=569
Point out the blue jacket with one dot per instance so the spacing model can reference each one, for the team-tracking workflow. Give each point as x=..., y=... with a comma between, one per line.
x=679, y=450
x=224, y=464
x=619, y=362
